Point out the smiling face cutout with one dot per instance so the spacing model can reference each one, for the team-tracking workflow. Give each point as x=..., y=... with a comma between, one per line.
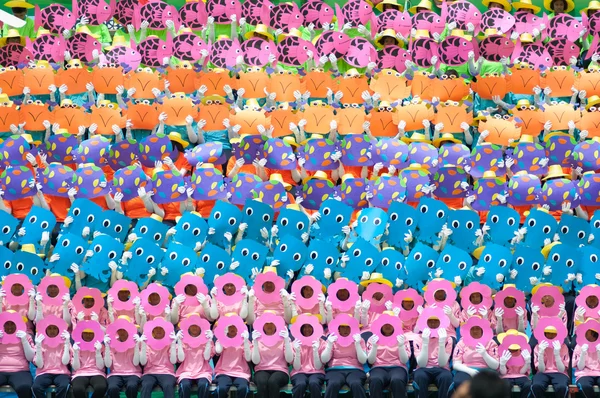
x=560, y=115
x=452, y=116
x=214, y=82
x=317, y=83
x=143, y=116
x=524, y=80
x=390, y=85
x=450, y=89
x=38, y=79
x=350, y=120
x=560, y=82
x=318, y=118
x=500, y=130
x=352, y=88
x=183, y=80
x=214, y=115
x=249, y=120
x=71, y=118
x=105, y=118
x=489, y=86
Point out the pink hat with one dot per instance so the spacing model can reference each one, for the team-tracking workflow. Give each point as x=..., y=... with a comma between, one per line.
x=162, y=292
x=386, y=319
x=222, y=327
x=475, y=321
x=237, y=281
x=260, y=323
x=48, y=281
x=17, y=319
x=581, y=300
x=343, y=284
x=519, y=296
x=184, y=326
x=190, y=280
x=158, y=344
x=129, y=286
x=52, y=320
x=261, y=295
x=307, y=303
x=340, y=320
x=85, y=292
x=17, y=279
x=551, y=323
x=436, y=285
x=112, y=332
x=476, y=287
x=408, y=295
x=552, y=291
x=83, y=326
x=307, y=319
x=580, y=331
x=378, y=306
x=432, y=313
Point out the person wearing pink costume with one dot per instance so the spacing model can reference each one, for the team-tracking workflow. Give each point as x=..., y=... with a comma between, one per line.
x=26, y=310
x=89, y=369
x=292, y=310
x=516, y=375
x=232, y=368
x=88, y=302
x=51, y=363
x=308, y=370
x=433, y=357
x=468, y=361
x=62, y=311
x=586, y=360
x=552, y=364
x=240, y=308
x=205, y=307
x=452, y=312
x=388, y=365
x=159, y=365
x=271, y=363
x=194, y=365
x=125, y=369
x=14, y=366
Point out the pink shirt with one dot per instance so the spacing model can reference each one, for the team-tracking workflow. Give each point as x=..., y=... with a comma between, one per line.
x=451, y=330
x=272, y=358
x=21, y=310
x=592, y=363
x=87, y=360
x=314, y=310
x=433, y=347
x=464, y=316
x=469, y=356
x=307, y=359
x=56, y=310
x=226, y=309
x=102, y=317
x=371, y=317
x=513, y=372
x=159, y=361
x=194, y=366
x=389, y=355
x=232, y=362
x=510, y=323
x=345, y=357
x=549, y=359
x=185, y=310
x=13, y=357
x=277, y=307
x=128, y=313
x=52, y=358
x=122, y=364
x=409, y=325
x=563, y=319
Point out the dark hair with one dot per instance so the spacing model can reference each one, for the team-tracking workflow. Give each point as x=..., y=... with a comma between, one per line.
x=18, y=10
x=488, y=384
x=554, y=1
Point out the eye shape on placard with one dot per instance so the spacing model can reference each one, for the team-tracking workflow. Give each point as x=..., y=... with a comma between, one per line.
x=455, y=224
x=417, y=256
x=555, y=257
x=329, y=260
x=487, y=258
x=245, y=252
x=430, y=263
x=284, y=221
x=424, y=209
x=531, y=223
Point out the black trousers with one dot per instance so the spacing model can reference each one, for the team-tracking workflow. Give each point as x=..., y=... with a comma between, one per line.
x=21, y=382
x=81, y=383
x=116, y=384
x=185, y=387
x=353, y=378
x=541, y=381
x=459, y=378
x=224, y=383
x=165, y=382
x=269, y=382
x=586, y=385
x=441, y=377
x=314, y=382
x=523, y=382
x=395, y=378
x=42, y=382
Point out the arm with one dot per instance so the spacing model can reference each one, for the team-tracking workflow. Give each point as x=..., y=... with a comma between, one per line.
x=423, y=354
x=582, y=356
x=360, y=353
x=327, y=352
x=136, y=355
x=298, y=355
x=173, y=352
x=99, y=359
x=288, y=352
x=27, y=349
x=143, y=354
x=255, y=352
x=66, y=357
x=208, y=350
x=460, y=367
x=107, y=356
x=247, y=353
x=39, y=357
x=372, y=353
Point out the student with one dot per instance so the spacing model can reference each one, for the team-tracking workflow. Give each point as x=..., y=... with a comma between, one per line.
x=51, y=363
x=271, y=362
x=124, y=367
x=14, y=366
x=587, y=365
x=468, y=361
x=516, y=375
x=232, y=367
x=89, y=368
x=551, y=364
x=433, y=356
x=388, y=365
x=308, y=369
x=158, y=365
x=194, y=364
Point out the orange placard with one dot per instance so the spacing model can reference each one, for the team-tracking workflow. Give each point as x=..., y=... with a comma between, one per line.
x=490, y=86
x=501, y=130
x=105, y=118
x=421, y=86
x=284, y=86
x=524, y=80
x=413, y=115
x=9, y=115
x=214, y=82
x=39, y=79
x=143, y=82
x=560, y=115
x=254, y=83
x=71, y=119
x=590, y=82
x=352, y=88
x=450, y=89
x=317, y=118
x=350, y=120
x=107, y=79
x=214, y=115
x=177, y=109
x=318, y=83
x=182, y=80
x=280, y=121
x=560, y=82
x=452, y=117
x=391, y=86
x=249, y=120
x=12, y=82
x=382, y=124
x=34, y=115
x=75, y=79
x=532, y=121
x=590, y=121
x=142, y=116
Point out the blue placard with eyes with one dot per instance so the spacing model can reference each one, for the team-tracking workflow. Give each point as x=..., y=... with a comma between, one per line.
x=321, y=262
x=541, y=227
x=496, y=260
x=503, y=222
x=363, y=259
x=145, y=255
x=529, y=264
x=564, y=260
x=292, y=222
x=70, y=249
x=149, y=228
x=589, y=262
x=595, y=229
x=29, y=264
x=257, y=215
x=464, y=224
x=37, y=222
x=104, y=250
x=215, y=261
x=433, y=214
x=114, y=224
x=224, y=218
x=291, y=254
x=573, y=231
x=455, y=264
x=248, y=254
x=371, y=224
x=402, y=219
x=391, y=266
x=8, y=228
x=334, y=216
x=6, y=256
x=178, y=259
x=419, y=263
x=191, y=230
x=84, y=213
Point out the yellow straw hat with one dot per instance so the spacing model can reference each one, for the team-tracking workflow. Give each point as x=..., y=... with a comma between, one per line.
x=416, y=137
x=85, y=29
x=277, y=177
x=505, y=4
x=422, y=4
x=387, y=33
x=555, y=171
x=570, y=5
x=12, y=33
x=379, y=6
x=376, y=277
x=260, y=29
x=512, y=332
x=593, y=5
x=18, y=4
x=446, y=137
x=175, y=136
x=526, y=4
x=592, y=101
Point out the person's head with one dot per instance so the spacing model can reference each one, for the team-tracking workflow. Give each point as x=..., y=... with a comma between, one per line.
x=591, y=335
x=547, y=301
x=158, y=333
x=493, y=4
x=390, y=7
x=154, y=299
x=10, y=327
x=88, y=302
x=268, y=287
x=452, y=74
x=550, y=333
x=489, y=384
x=387, y=330
x=515, y=352
x=52, y=331
x=439, y=295
x=344, y=330
x=378, y=296
x=408, y=304
x=476, y=332
x=591, y=301
x=13, y=40
x=592, y=12
x=194, y=330
x=190, y=290
x=526, y=10
x=307, y=330
x=476, y=298
x=229, y=289
x=124, y=295
x=17, y=289
x=558, y=6
x=343, y=294
x=388, y=41
x=307, y=292
x=433, y=323
x=231, y=331
x=269, y=329
x=87, y=336
x=510, y=302
x=260, y=36
x=19, y=12
x=122, y=335
x=52, y=291
x=421, y=9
